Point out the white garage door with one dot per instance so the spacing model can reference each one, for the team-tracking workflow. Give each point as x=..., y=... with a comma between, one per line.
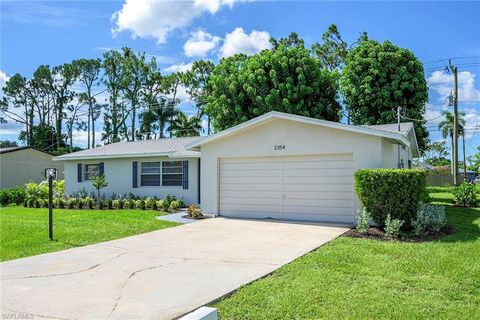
x=315, y=188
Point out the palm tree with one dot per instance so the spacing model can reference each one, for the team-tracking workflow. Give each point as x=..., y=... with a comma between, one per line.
x=183, y=126
x=447, y=125
x=162, y=111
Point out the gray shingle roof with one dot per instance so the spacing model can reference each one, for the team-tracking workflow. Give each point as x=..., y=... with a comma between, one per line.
x=405, y=127
x=172, y=147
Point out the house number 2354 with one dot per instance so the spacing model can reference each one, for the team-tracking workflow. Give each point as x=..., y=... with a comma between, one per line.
x=279, y=147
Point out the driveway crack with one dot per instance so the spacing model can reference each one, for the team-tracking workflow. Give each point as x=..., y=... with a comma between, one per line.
x=131, y=275
x=68, y=273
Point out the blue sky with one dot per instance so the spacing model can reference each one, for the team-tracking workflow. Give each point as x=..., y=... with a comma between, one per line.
x=179, y=32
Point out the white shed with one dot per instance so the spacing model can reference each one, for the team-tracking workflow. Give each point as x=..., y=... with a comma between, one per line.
x=284, y=166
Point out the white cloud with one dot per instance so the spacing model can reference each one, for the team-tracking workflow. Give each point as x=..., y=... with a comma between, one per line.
x=157, y=18
x=3, y=79
x=200, y=44
x=442, y=83
x=179, y=67
x=80, y=138
x=238, y=41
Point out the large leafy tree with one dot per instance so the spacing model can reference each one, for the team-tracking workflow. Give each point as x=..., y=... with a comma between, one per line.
x=378, y=78
x=286, y=78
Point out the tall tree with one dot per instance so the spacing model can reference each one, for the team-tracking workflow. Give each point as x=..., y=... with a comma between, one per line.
x=63, y=78
x=293, y=40
x=378, y=78
x=447, y=126
x=18, y=96
x=333, y=50
x=88, y=74
x=183, y=126
x=196, y=81
x=286, y=79
x=115, y=115
x=134, y=78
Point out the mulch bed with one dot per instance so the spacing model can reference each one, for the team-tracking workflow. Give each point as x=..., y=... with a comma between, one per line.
x=377, y=234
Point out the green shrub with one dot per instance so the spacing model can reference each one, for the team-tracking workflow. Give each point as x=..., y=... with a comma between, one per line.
x=429, y=219
x=363, y=217
x=392, y=226
x=109, y=204
x=161, y=205
x=181, y=203
x=101, y=204
x=121, y=203
x=138, y=204
x=194, y=212
x=131, y=203
x=174, y=206
x=465, y=195
x=31, y=203
x=154, y=205
x=61, y=203
x=115, y=204
x=71, y=203
x=89, y=202
x=167, y=201
x=394, y=192
x=16, y=195
x=148, y=202
x=55, y=203
x=36, y=203
x=36, y=191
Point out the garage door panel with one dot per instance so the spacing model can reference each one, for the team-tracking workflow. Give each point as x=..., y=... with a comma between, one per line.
x=251, y=166
x=318, y=173
x=249, y=200
x=317, y=210
x=252, y=187
x=317, y=202
x=252, y=193
x=317, y=164
x=250, y=173
x=318, y=195
x=250, y=180
x=250, y=208
x=318, y=187
x=303, y=187
x=318, y=180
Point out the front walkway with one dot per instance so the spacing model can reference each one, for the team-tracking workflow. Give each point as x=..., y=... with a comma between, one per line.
x=157, y=275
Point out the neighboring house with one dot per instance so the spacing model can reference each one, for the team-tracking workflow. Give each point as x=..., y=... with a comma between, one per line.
x=144, y=168
x=20, y=165
x=277, y=165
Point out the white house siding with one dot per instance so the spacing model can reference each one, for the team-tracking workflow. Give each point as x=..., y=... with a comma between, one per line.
x=118, y=173
x=26, y=165
x=299, y=139
x=390, y=154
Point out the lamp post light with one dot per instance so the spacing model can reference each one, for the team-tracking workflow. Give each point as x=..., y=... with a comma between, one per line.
x=50, y=174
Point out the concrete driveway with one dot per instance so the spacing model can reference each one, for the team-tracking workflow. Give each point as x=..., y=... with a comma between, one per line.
x=157, y=275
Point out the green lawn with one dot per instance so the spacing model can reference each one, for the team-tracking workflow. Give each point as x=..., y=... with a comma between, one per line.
x=352, y=278
x=24, y=231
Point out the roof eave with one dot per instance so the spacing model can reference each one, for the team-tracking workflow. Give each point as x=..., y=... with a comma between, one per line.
x=115, y=156
x=273, y=114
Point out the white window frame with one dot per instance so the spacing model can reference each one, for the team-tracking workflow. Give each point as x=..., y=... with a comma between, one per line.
x=173, y=173
x=86, y=174
x=151, y=174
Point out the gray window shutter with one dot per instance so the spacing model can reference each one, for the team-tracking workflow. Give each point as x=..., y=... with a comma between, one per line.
x=101, y=168
x=79, y=172
x=134, y=174
x=185, y=174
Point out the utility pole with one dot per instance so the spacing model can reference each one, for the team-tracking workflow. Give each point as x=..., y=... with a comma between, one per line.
x=455, y=124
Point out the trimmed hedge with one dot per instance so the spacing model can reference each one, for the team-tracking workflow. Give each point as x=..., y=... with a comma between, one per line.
x=394, y=192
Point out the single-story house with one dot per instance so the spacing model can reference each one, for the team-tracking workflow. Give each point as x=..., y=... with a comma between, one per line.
x=277, y=165
x=19, y=165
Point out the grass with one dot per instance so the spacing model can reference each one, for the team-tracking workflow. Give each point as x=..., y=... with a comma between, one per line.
x=24, y=231
x=352, y=278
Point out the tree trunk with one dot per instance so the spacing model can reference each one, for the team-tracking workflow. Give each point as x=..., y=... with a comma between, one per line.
x=93, y=131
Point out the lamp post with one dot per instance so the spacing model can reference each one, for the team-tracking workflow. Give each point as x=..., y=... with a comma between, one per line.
x=50, y=174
